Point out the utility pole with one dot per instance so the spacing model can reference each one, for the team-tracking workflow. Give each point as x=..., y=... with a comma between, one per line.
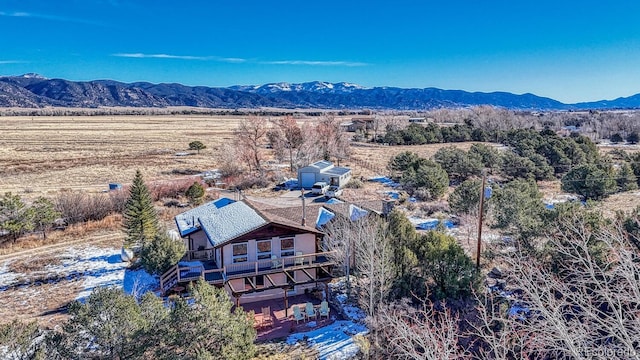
x=480, y=221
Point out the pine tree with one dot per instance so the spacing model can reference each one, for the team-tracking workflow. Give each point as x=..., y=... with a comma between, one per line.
x=44, y=214
x=140, y=217
x=195, y=193
x=626, y=179
x=15, y=216
x=160, y=253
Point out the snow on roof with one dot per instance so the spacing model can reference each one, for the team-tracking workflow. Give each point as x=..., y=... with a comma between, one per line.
x=356, y=213
x=324, y=216
x=230, y=221
x=322, y=164
x=337, y=171
x=188, y=221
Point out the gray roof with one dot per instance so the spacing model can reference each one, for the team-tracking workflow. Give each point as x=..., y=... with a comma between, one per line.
x=223, y=220
x=230, y=222
x=337, y=171
x=189, y=221
x=322, y=164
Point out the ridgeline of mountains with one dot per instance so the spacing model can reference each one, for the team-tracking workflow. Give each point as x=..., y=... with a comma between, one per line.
x=35, y=91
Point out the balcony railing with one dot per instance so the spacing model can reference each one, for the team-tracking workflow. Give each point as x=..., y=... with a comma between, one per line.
x=205, y=254
x=178, y=274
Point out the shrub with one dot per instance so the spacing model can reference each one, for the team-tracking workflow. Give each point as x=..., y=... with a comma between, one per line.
x=354, y=184
x=252, y=182
x=77, y=207
x=162, y=252
x=195, y=193
x=616, y=138
x=169, y=189
x=434, y=207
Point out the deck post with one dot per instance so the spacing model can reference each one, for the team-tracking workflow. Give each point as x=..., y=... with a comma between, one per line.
x=237, y=301
x=286, y=303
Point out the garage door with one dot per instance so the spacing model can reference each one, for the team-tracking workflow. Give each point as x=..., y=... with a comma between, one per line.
x=307, y=179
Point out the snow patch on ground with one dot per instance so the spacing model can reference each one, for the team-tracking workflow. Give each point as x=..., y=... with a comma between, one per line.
x=349, y=310
x=6, y=276
x=95, y=267
x=333, y=341
x=138, y=282
x=100, y=268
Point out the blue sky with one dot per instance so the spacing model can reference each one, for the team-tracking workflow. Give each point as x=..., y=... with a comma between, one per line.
x=568, y=50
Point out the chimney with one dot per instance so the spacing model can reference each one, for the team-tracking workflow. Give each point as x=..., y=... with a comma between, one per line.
x=387, y=206
x=304, y=209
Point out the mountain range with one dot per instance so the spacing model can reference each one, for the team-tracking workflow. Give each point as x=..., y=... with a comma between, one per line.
x=35, y=91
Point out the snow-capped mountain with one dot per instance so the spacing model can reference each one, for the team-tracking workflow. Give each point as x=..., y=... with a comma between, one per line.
x=314, y=86
x=33, y=90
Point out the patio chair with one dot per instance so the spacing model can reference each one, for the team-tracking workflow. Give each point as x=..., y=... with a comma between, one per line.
x=275, y=262
x=311, y=312
x=299, y=259
x=297, y=314
x=324, y=309
x=267, y=320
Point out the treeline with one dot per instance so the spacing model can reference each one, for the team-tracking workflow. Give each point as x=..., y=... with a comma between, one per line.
x=113, y=325
x=528, y=154
x=18, y=217
x=68, y=207
x=61, y=111
x=595, y=124
x=422, y=296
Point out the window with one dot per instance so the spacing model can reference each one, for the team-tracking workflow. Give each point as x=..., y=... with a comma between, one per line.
x=287, y=247
x=263, y=249
x=240, y=253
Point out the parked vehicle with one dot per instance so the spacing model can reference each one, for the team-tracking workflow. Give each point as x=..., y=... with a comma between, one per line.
x=334, y=191
x=319, y=188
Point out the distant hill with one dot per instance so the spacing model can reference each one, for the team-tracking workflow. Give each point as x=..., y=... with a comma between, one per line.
x=33, y=91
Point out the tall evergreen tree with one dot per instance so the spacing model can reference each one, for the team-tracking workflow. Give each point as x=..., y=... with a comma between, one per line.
x=140, y=217
x=44, y=214
x=626, y=179
x=160, y=253
x=15, y=216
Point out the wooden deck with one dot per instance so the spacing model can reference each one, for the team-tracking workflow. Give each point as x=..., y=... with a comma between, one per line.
x=283, y=321
x=177, y=275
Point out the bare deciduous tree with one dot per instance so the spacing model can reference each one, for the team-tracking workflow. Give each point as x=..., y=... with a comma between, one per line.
x=362, y=247
x=373, y=263
x=330, y=139
x=227, y=156
x=419, y=333
x=587, y=306
x=251, y=135
x=287, y=137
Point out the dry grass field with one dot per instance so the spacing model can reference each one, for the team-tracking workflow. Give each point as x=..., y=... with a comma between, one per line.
x=41, y=155
x=45, y=154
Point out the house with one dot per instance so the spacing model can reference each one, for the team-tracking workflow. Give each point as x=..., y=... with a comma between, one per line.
x=347, y=126
x=361, y=124
x=567, y=130
x=323, y=171
x=254, y=254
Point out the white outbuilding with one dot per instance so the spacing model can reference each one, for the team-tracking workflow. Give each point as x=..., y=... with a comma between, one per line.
x=323, y=171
